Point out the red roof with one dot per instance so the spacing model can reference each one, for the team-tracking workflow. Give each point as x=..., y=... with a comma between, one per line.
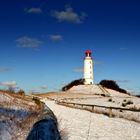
x=88, y=51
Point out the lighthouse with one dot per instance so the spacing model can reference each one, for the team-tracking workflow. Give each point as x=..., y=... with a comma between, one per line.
x=88, y=68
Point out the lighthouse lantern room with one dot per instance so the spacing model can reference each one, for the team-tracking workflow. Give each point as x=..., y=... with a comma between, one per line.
x=88, y=68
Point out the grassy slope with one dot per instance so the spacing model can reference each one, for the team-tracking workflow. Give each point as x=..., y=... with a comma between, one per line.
x=17, y=115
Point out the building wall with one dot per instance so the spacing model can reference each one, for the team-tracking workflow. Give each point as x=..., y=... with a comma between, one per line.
x=88, y=70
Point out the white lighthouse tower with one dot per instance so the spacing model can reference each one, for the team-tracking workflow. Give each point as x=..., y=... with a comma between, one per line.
x=88, y=68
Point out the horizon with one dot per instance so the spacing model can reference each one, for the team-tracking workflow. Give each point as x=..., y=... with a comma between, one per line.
x=43, y=43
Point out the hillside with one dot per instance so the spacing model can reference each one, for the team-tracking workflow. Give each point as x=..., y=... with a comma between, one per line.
x=96, y=90
x=77, y=120
x=75, y=124
x=17, y=115
x=99, y=96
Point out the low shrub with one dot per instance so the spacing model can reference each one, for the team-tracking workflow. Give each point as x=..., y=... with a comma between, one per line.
x=103, y=95
x=37, y=101
x=73, y=83
x=111, y=84
x=134, y=108
x=125, y=102
x=110, y=100
x=129, y=102
x=21, y=92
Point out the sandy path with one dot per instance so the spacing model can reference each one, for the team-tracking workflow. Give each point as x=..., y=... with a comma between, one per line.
x=82, y=125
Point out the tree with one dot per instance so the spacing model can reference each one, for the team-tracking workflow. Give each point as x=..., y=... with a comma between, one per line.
x=111, y=84
x=21, y=92
x=11, y=89
x=73, y=83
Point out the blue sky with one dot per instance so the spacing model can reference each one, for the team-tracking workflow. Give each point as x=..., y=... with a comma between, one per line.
x=42, y=42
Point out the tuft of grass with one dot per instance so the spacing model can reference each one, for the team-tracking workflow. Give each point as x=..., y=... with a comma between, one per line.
x=103, y=95
x=121, y=110
x=125, y=102
x=37, y=101
x=134, y=108
x=110, y=100
x=129, y=102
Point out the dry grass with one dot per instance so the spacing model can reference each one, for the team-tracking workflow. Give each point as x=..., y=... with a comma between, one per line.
x=17, y=115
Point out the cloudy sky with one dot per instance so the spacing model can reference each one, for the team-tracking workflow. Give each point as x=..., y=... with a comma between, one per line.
x=42, y=42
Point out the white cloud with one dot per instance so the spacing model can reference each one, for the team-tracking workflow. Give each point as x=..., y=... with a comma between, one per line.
x=44, y=87
x=27, y=42
x=34, y=10
x=68, y=15
x=56, y=37
x=33, y=91
x=4, y=69
x=57, y=89
x=8, y=83
x=78, y=70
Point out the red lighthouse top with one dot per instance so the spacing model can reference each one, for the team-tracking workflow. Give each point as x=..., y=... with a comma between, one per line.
x=88, y=53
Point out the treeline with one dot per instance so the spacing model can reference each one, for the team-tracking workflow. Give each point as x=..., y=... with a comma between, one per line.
x=73, y=83
x=12, y=91
x=111, y=84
